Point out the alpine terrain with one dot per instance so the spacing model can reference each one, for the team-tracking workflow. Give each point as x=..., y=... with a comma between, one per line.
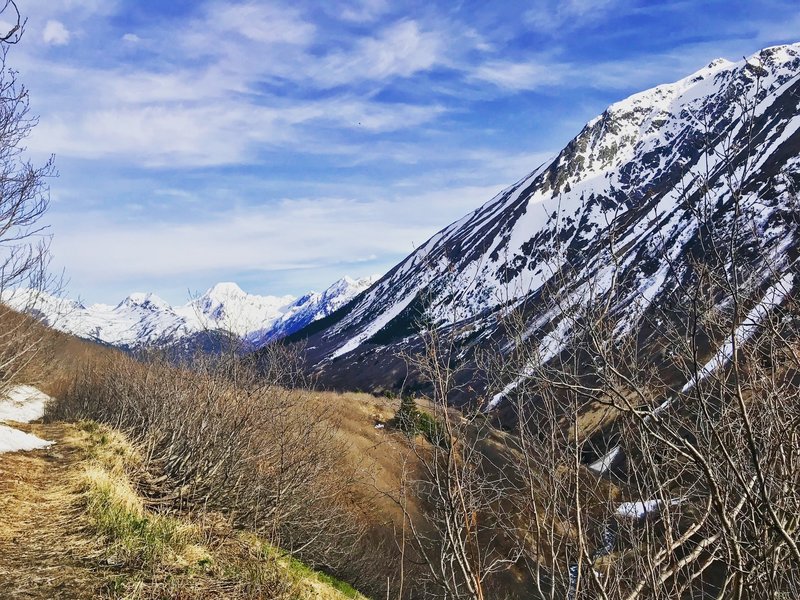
x=619, y=218
x=144, y=319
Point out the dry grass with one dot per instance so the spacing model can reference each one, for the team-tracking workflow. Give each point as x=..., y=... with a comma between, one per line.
x=72, y=525
x=46, y=550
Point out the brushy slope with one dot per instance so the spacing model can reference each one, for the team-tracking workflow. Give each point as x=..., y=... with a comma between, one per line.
x=72, y=525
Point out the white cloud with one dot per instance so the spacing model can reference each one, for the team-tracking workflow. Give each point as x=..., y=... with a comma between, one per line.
x=217, y=111
x=291, y=234
x=131, y=38
x=628, y=74
x=560, y=16
x=6, y=27
x=359, y=11
x=509, y=167
x=76, y=9
x=158, y=120
x=55, y=33
x=521, y=75
x=222, y=23
x=400, y=50
x=265, y=23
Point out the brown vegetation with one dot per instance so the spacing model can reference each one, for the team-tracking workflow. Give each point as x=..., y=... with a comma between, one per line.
x=218, y=438
x=73, y=526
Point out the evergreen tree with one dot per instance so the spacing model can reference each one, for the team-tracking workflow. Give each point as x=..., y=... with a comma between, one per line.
x=407, y=415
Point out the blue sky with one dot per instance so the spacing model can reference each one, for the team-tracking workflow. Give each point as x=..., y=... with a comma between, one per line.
x=282, y=145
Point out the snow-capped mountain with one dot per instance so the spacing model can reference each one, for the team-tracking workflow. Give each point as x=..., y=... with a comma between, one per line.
x=226, y=306
x=646, y=178
x=144, y=319
x=310, y=308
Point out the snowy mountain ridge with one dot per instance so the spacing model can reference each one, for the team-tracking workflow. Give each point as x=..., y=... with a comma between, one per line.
x=636, y=176
x=145, y=319
x=310, y=308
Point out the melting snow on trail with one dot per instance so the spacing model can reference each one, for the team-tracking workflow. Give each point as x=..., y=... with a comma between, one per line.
x=12, y=440
x=21, y=403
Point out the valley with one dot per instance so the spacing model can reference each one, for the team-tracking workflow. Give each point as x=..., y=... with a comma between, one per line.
x=585, y=387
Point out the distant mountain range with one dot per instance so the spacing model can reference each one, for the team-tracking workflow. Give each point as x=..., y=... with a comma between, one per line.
x=649, y=178
x=144, y=319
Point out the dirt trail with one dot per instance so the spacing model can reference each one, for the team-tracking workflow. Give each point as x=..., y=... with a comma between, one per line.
x=44, y=549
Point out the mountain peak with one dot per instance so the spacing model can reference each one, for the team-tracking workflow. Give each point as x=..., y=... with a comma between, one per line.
x=312, y=307
x=644, y=165
x=349, y=283
x=144, y=318
x=145, y=300
x=719, y=62
x=225, y=289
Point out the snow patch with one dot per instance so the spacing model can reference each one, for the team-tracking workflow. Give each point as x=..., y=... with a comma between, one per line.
x=22, y=403
x=773, y=297
x=605, y=462
x=641, y=508
x=14, y=440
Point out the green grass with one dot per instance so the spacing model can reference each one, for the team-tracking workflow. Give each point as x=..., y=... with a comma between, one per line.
x=429, y=427
x=413, y=421
x=136, y=535
x=115, y=509
x=303, y=571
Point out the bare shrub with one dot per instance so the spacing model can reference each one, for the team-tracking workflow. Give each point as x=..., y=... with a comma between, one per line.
x=222, y=437
x=463, y=532
x=24, y=197
x=655, y=451
x=658, y=457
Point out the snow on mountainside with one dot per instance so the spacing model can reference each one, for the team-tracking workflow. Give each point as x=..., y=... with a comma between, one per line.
x=638, y=172
x=226, y=306
x=145, y=319
x=310, y=308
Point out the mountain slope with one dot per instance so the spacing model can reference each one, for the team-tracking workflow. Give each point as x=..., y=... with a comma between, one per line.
x=310, y=308
x=144, y=319
x=620, y=215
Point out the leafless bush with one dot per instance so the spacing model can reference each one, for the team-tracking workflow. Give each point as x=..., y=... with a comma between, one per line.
x=464, y=533
x=655, y=455
x=669, y=477
x=220, y=436
x=23, y=200
x=661, y=462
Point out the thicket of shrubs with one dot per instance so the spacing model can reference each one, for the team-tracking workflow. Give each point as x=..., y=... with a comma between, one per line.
x=228, y=435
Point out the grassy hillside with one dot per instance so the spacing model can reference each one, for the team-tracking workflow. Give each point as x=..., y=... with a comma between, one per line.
x=73, y=525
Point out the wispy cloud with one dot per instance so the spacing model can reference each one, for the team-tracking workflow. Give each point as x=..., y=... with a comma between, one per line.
x=400, y=50
x=563, y=16
x=214, y=131
x=295, y=135
x=263, y=23
x=522, y=75
x=359, y=11
x=294, y=234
